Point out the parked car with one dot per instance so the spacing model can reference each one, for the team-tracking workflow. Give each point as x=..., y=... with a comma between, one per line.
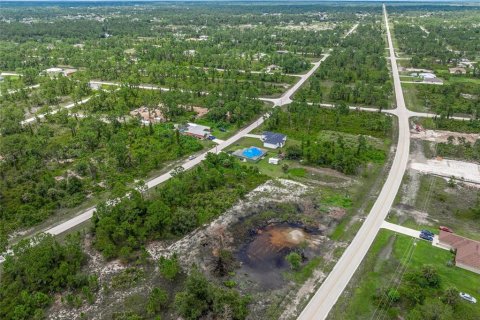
x=427, y=232
x=212, y=138
x=469, y=298
x=446, y=229
x=426, y=237
x=192, y=157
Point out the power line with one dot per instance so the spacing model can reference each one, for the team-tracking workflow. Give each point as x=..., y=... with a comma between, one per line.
x=392, y=280
x=401, y=275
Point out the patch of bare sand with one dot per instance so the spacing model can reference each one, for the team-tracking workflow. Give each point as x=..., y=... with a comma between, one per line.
x=444, y=136
x=421, y=217
x=279, y=190
x=308, y=288
x=297, y=298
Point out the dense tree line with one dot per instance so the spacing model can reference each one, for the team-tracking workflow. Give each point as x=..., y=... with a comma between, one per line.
x=301, y=120
x=356, y=71
x=451, y=98
x=306, y=123
x=183, y=203
x=460, y=149
x=442, y=123
x=341, y=155
x=424, y=48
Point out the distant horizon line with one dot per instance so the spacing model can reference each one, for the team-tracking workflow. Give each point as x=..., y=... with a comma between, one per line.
x=417, y=1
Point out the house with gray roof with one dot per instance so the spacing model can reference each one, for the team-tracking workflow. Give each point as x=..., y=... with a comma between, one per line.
x=195, y=130
x=273, y=140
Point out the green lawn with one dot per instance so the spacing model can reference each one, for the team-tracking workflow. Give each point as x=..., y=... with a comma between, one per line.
x=378, y=268
x=411, y=99
x=271, y=170
x=215, y=131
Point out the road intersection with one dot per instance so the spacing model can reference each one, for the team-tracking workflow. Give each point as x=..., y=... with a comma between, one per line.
x=286, y=98
x=327, y=295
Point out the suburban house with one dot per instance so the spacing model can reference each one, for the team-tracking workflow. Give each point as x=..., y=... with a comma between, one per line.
x=427, y=75
x=467, y=250
x=195, y=130
x=55, y=71
x=457, y=70
x=272, y=68
x=433, y=80
x=273, y=140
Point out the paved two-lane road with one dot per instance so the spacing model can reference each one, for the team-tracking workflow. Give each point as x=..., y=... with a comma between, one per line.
x=327, y=295
x=284, y=99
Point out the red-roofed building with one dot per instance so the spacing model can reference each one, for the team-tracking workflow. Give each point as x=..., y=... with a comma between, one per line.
x=468, y=251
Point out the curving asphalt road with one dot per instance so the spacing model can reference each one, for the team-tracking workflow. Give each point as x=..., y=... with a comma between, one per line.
x=327, y=295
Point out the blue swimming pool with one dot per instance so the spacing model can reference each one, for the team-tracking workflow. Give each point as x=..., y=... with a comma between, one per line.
x=252, y=153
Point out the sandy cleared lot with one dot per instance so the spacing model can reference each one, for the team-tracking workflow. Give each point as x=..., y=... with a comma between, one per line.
x=470, y=172
x=443, y=136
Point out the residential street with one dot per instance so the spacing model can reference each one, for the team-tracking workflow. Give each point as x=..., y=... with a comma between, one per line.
x=274, y=160
x=333, y=286
x=284, y=99
x=41, y=116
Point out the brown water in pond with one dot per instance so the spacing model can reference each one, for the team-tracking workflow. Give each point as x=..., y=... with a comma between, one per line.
x=272, y=240
x=263, y=258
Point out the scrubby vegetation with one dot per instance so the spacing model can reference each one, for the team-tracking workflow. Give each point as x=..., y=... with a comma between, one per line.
x=355, y=72
x=57, y=164
x=202, y=298
x=183, y=203
x=451, y=98
x=441, y=123
x=39, y=269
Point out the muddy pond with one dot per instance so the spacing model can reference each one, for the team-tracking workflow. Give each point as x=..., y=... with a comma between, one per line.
x=262, y=256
